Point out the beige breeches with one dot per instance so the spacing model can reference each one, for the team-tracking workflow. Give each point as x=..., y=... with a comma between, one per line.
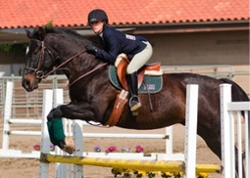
x=140, y=59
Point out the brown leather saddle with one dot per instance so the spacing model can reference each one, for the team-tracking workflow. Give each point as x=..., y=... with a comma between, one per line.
x=147, y=69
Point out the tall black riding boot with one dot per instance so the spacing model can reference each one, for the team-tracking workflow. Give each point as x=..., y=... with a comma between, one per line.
x=134, y=101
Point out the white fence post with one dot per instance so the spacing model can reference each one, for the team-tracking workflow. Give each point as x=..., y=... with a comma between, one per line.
x=7, y=115
x=191, y=130
x=229, y=112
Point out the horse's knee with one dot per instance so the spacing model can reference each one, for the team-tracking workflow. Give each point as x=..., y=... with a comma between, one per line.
x=54, y=113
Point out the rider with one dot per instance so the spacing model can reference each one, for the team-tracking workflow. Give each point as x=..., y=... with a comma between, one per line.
x=115, y=42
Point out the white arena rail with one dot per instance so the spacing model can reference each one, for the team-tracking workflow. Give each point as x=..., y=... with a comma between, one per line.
x=231, y=125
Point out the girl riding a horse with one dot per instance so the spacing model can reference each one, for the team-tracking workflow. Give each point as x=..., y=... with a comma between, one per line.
x=115, y=42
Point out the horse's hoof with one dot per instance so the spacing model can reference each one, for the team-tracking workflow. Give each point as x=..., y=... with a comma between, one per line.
x=69, y=145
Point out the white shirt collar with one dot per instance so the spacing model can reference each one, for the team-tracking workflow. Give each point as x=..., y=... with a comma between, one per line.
x=101, y=34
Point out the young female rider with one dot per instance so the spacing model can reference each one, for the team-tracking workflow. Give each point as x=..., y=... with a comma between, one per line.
x=115, y=42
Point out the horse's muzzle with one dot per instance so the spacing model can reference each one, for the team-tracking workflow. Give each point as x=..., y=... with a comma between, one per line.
x=30, y=82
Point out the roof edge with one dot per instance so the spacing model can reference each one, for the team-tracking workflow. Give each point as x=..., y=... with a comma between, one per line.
x=190, y=27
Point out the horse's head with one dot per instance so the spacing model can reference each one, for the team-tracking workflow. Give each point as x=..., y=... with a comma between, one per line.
x=51, y=49
x=36, y=66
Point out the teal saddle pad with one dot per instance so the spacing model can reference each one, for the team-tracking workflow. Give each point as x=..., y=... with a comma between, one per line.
x=151, y=84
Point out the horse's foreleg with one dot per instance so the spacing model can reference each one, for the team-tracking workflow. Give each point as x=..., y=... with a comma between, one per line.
x=57, y=136
x=74, y=111
x=55, y=126
x=56, y=132
x=54, y=113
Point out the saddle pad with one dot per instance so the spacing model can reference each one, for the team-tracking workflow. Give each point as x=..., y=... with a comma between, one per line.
x=153, y=83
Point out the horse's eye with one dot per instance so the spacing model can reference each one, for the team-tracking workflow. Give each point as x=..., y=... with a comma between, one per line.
x=36, y=50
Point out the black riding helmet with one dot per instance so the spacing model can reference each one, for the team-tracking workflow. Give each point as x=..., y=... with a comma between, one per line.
x=97, y=15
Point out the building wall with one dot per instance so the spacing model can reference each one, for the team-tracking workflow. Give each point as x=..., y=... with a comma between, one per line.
x=11, y=64
x=204, y=48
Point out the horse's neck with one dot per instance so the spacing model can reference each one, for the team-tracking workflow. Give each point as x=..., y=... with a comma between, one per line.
x=78, y=63
x=73, y=54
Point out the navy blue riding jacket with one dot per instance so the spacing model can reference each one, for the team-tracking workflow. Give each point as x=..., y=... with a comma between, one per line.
x=116, y=42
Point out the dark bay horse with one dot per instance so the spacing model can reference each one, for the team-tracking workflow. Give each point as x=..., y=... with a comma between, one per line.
x=93, y=96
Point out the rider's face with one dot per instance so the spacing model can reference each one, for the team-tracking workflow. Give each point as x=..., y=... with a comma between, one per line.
x=97, y=27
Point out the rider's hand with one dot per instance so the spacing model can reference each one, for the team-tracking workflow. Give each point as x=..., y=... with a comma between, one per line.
x=91, y=49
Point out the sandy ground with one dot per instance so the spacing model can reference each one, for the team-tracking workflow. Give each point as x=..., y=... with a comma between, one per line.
x=29, y=168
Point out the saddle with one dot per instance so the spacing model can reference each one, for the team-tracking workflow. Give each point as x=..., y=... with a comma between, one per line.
x=121, y=64
x=150, y=75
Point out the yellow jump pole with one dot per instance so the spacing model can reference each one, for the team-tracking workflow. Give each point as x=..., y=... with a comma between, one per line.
x=164, y=166
x=208, y=168
x=172, y=166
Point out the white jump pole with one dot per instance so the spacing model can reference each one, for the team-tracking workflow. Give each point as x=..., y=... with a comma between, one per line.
x=61, y=169
x=45, y=140
x=78, y=169
x=65, y=170
x=227, y=130
x=247, y=138
x=191, y=130
x=169, y=141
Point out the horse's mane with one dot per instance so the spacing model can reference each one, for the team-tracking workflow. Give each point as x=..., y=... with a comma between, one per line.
x=68, y=32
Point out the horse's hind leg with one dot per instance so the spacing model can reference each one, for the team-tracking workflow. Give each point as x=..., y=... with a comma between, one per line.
x=237, y=161
x=215, y=146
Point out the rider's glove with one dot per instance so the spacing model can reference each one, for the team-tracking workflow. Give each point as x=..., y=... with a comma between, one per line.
x=91, y=49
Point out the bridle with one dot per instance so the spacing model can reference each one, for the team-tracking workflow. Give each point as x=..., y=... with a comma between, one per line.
x=40, y=74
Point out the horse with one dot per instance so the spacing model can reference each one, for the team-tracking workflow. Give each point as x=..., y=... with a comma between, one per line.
x=92, y=96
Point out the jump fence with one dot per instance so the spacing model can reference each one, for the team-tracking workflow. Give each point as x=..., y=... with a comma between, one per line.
x=143, y=162
x=229, y=112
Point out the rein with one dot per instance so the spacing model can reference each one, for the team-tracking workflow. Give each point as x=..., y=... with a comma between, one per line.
x=87, y=73
x=65, y=62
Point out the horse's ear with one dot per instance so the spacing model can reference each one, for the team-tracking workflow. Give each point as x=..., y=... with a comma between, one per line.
x=40, y=33
x=28, y=33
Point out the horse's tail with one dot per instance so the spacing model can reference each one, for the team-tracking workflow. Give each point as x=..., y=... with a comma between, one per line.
x=238, y=94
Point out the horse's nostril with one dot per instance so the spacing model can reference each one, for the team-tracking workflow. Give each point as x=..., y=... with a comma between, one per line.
x=26, y=84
